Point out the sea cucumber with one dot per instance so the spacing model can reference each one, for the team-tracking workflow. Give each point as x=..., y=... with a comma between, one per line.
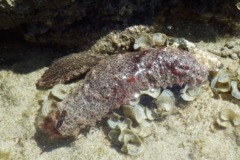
x=69, y=67
x=114, y=82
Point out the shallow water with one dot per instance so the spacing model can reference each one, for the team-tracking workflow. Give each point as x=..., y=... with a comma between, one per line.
x=189, y=134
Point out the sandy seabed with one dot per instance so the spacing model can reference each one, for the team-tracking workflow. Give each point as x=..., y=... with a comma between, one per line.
x=189, y=134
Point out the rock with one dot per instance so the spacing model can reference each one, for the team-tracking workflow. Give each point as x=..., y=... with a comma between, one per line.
x=68, y=23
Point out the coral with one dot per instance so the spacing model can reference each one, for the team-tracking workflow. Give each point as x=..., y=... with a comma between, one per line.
x=115, y=82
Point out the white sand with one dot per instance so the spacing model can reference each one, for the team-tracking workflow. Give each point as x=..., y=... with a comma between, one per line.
x=191, y=134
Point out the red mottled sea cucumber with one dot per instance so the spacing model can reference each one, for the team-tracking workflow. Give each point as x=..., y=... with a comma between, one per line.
x=113, y=82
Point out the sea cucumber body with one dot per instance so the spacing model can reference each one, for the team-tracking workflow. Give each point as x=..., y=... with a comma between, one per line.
x=114, y=82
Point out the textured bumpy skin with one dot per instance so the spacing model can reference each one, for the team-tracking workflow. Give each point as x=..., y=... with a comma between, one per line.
x=113, y=83
x=69, y=67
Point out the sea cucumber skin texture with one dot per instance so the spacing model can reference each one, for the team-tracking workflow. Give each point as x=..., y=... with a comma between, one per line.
x=112, y=83
x=68, y=67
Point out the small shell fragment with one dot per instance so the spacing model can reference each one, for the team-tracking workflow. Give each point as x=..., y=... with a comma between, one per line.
x=146, y=40
x=113, y=136
x=142, y=130
x=114, y=120
x=135, y=99
x=224, y=124
x=238, y=5
x=226, y=81
x=93, y=130
x=194, y=91
x=60, y=91
x=238, y=71
x=166, y=97
x=236, y=120
x=165, y=102
x=46, y=107
x=132, y=144
x=150, y=114
x=124, y=125
x=235, y=91
x=230, y=115
x=238, y=74
x=213, y=84
x=152, y=92
x=125, y=132
x=181, y=43
x=142, y=42
x=135, y=113
x=226, y=114
x=159, y=39
x=225, y=77
x=190, y=93
x=223, y=87
x=221, y=82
